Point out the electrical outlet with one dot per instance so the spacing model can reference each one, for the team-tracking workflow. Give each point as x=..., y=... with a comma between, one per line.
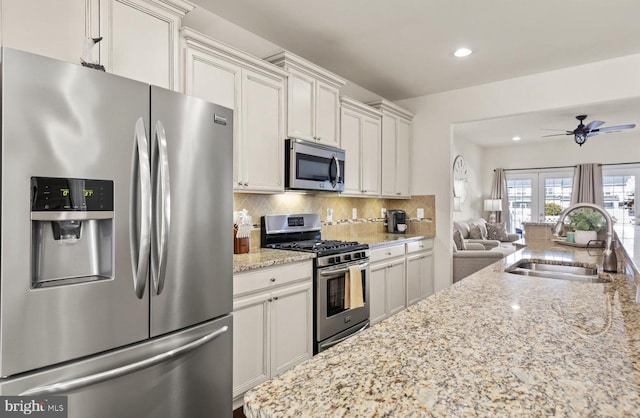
x=329, y=215
x=383, y=212
x=354, y=213
x=420, y=213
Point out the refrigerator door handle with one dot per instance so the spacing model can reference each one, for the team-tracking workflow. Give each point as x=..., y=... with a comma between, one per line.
x=162, y=210
x=73, y=384
x=140, y=246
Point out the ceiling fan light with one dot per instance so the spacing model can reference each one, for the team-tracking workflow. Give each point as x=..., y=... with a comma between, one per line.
x=580, y=139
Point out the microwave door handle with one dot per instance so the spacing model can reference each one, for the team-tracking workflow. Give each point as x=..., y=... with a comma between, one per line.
x=336, y=179
x=163, y=208
x=81, y=382
x=140, y=246
x=335, y=157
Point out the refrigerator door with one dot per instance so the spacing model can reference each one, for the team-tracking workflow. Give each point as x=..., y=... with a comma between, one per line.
x=62, y=120
x=191, y=251
x=182, y=375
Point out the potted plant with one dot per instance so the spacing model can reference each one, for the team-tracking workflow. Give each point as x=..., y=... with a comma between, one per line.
x=586, y=222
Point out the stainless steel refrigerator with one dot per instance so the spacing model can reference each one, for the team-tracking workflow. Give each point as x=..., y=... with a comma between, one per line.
x=116, y=262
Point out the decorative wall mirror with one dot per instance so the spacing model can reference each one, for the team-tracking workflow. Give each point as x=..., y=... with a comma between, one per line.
x=460, y=177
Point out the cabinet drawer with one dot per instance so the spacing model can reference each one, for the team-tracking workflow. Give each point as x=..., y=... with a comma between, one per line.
x=378, y=254
x=269, y=277
x=422, y=245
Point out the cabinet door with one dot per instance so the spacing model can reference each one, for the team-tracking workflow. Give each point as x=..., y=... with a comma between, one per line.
x=426, y=283
x=141, y=39
x=350, y=133
x=327, y=114
x=262, y=140
x=300, y=106
x=402, y=158
x=396, y=295
x=389, y=155
x=251, y=349
x=291, y=326
x=378, y=293
x=370, y=159
x=415, y=274
x=53, y=28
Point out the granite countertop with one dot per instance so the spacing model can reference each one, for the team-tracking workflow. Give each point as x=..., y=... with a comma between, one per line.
x=493, y=344
x=266, y=257
x=383, y=240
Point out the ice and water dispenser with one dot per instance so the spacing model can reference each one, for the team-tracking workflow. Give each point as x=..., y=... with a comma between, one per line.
x=71, y=231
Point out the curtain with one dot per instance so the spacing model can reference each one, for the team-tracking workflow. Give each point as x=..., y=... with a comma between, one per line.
x=587, y=184
x=499, y=191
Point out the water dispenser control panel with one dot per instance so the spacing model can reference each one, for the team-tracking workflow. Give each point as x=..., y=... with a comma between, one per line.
x=69, y=194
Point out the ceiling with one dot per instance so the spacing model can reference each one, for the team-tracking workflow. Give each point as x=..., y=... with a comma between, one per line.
x=404, y=48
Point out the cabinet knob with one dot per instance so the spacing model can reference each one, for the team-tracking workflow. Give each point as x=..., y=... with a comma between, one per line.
x=398, y=193
x=275, y=298
x=421, y=246
x=270, y=299
x=319, y=139
x=273, y=279
x=246, y=183
x=240, y=183
x=387, y=253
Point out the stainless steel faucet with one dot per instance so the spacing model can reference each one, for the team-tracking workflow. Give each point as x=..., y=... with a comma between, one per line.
x=609, y=260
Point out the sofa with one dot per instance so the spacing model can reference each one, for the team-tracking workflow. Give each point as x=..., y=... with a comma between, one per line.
x=476, y=257
x=473, y=250
x=479, y=231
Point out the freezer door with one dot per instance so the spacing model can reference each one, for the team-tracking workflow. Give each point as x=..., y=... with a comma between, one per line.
x=62, y=120
x=181, y=375
x=191, y=251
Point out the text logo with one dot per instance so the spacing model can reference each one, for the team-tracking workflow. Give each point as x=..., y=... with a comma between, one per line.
x=30, y=406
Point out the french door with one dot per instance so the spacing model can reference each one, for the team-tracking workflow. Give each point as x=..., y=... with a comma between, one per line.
x=538, y=196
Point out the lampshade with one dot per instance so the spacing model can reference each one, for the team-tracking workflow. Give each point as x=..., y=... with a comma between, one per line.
x=493, y=205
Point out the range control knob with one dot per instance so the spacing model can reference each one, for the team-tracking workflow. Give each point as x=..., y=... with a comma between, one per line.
x=347, y=257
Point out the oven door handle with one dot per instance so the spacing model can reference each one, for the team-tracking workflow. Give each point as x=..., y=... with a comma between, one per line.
x=338, y=341
x=342, y=270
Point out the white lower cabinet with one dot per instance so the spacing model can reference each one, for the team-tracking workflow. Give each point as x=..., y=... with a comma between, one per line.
x=387, y=293
x=272, y=314
x=400, y=277
x=419, y=270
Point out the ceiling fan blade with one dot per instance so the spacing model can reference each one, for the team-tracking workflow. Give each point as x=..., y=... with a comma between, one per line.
x=614, y=128
x=551, y=129
x=593, y=124
x=568, y=133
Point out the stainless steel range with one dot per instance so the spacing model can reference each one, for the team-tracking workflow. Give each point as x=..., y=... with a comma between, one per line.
x=334, y=317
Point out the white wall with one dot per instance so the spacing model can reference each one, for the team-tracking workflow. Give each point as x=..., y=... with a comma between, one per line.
x=432, y=127
x=473, y=155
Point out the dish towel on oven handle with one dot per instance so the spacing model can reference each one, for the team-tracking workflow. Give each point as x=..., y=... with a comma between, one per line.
x=353, y=288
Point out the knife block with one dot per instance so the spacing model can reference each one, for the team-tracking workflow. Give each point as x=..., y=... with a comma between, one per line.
x=240, y=245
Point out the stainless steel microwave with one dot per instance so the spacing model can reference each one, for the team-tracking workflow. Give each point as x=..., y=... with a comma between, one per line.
x=313, y=166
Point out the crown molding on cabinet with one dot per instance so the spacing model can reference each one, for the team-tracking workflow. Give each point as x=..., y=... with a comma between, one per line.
x=393, y=108
x=353, y=104
x=180, y=7
x=289, y=60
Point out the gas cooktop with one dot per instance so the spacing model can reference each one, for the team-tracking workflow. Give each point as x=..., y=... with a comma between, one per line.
x=320, y=247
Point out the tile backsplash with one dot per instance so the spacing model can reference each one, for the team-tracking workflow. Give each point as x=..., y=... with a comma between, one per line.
x=342, y=227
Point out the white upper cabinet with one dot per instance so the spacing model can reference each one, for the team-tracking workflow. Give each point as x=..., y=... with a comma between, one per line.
x=396, y=147
x=313, y=99
x=141, y=39
x=255, y=90
x=53, y=28
x=360, y=133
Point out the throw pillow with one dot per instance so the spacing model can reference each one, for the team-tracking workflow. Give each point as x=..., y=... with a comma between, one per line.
x=457, y=239
x=482, y=224
x=477, y=230
x=497, y=231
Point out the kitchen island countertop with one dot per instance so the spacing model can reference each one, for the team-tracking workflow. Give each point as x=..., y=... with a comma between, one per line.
x=493, y=344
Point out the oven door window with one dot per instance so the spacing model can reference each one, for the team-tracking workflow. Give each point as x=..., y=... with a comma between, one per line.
x=336, y=294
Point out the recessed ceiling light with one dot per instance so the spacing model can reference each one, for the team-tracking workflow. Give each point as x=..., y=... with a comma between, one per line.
x=516, y=138
x=462, y=52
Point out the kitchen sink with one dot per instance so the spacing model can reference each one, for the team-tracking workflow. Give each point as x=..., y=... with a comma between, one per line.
x=557, y=271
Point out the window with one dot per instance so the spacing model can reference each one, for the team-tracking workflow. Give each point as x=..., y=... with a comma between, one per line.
x=619, y=187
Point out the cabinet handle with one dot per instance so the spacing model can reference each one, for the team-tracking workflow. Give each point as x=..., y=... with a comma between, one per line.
x=240, y=183
x=398, y=193
x=270, y=299
x=421, y=246
x=319, y=139
x=275, y=298
x=387, y=253
x=273, y=279
x=246, y=183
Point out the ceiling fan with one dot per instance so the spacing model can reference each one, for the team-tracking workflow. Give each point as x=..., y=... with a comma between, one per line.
x=582, y=132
